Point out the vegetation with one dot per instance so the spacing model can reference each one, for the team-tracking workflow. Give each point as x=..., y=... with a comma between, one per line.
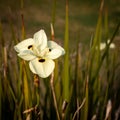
x=85, y=82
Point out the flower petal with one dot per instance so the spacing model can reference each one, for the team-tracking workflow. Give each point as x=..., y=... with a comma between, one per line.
x=42, y=67
x=102, y=46
x=40, y=39
x=112, y=45
x=55, y=50
x=24, y=45
x=27, y=55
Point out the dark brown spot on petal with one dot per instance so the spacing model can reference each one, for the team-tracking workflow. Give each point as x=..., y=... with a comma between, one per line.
x=30, y=46
x=49, y=49
x=41, y=60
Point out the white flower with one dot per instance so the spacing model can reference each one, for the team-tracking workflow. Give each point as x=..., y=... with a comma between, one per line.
x=112, y=45
x=40, y=53
x=103, y=45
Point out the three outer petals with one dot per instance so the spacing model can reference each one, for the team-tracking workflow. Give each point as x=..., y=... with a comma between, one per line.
x=43, y=69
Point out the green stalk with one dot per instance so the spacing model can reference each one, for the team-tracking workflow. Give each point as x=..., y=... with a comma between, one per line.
x=95, y=53
x=26, y=90
x=107, y=66
x=53, y=12
x=77, y=73
x=86, y=103
x=2, y=39
x=0, y=98
x=22, y=18
x=106, y=50
x=25, y=71
x=66, y=59
x=106, y=37
x=56, y=81
x=84, y=111
x=1, y=35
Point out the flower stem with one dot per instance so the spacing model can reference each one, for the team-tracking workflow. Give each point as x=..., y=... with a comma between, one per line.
x=54, y=97
x=83, y=102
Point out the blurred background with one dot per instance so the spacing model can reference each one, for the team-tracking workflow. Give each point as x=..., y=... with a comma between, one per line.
x=83, y=16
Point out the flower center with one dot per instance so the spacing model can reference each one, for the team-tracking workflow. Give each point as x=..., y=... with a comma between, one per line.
x=34, y=49
x=44, y=52
x=39, y=53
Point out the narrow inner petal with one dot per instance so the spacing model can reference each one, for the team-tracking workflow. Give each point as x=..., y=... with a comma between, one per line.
x=40, y=39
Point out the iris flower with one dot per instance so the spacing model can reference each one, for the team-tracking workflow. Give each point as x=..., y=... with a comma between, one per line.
x=103, y=45
x=40, y=53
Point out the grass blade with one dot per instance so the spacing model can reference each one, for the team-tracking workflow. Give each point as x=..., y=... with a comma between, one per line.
x=66, y=59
